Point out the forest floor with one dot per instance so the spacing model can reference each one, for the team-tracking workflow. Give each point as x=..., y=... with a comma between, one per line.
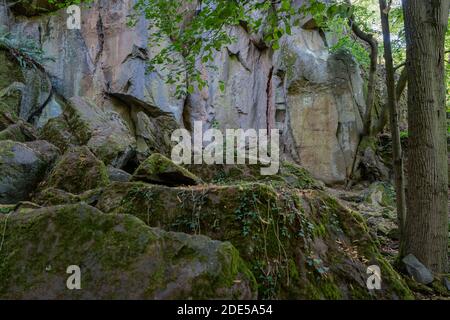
x=377, y=205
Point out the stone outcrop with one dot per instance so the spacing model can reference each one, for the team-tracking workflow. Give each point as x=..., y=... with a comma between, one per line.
x=119, y=257
x=85, y=134
x=301, y=89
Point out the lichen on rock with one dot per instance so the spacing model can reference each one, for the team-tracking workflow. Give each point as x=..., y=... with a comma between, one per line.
x=78, y=170
x=119, y=258
x=298, y=244
x=161, y=170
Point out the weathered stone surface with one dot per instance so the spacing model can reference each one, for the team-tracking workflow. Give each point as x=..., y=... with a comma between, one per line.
x=301, y=89
x=33, y=7
x=105, y=56
x=158, y=169
x=299, y=244
x=14, y=133
x=11, y=85
x=117, y=175
x=46, y=150
x=78, y=170
x=54, y=197
x=417, y=270
x=321, y=104
x=82, y=123
x=24, y=87
x=21, y=169
x=153, y=134
x=289, y=175
x=119, y=257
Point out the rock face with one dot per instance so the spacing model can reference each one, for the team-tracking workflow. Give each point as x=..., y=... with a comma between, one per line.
x=301, y=89
x=313, y=97
x=119, y=258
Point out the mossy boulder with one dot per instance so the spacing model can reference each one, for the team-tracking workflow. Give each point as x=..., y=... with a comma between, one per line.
x=11, y=82
x=22, y=168
x=118, y=175
x=290, y=174
x=78, y=170
x=299, y=244
x=84, y=123
x=20, y=131
x=53, y=197
x=57, y=131
x=158, y=169
x=380, y=194
x=119, y=258
x=46, y=150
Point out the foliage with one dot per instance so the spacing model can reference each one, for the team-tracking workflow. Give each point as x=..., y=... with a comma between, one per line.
x=187, y=35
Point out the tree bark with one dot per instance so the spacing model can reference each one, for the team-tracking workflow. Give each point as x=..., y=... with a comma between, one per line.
x=399, y=89
x=426, y=225
x=392, y=105
x=370, y=100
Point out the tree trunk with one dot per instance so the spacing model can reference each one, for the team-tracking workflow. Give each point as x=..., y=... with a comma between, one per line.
x=392, y=105
x=399, y=89
x=370, y=100
x=426, y=225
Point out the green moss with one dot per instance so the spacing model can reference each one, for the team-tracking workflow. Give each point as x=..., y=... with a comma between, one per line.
x=276, y=229
x=134, y=260
x=159, y=169
x=78, y=171
x=5, y=209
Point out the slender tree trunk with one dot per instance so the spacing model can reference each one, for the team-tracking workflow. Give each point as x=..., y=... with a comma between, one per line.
x=370, y=100
x=426, y=225
x=393, y=117
x=399, y=89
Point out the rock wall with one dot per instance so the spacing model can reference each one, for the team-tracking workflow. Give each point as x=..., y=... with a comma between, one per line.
x=313, y=97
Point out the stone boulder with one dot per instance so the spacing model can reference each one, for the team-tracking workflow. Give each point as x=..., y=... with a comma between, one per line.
x=22, y=169
x=54, y=197
x=78, y=170
x=290, y=175
x=83, y=123
x=20, y=132
x=417, y=270
x=298, y=244
x=119, y=258
x=25, y=86
x=158, y=169
x=117, y=175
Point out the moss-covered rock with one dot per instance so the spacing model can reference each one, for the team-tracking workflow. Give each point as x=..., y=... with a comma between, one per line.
x=10, y=93
x=119, y=258
x=381, y=194
x=161, y=170
x=299, y=244
x=53, y=197
x=290, y=174
x=78, y=170
x=57, y=131
x=34, y=7
x=21, y=168
x=83, y=123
